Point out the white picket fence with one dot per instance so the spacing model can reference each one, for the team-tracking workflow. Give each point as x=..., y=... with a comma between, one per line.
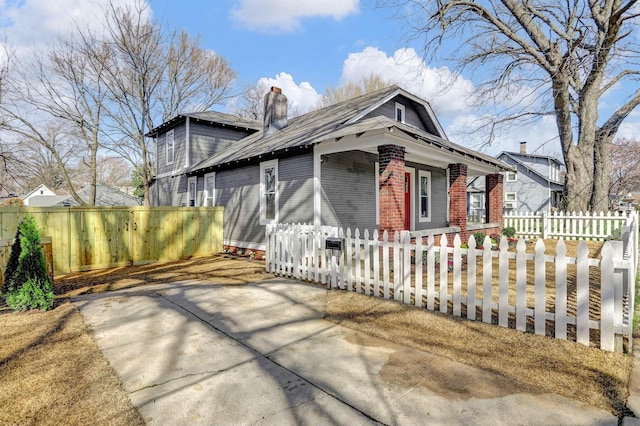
x=411, y=272
x=570, y=226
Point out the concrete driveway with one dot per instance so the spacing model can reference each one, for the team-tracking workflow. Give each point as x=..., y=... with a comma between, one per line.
x=262, y=354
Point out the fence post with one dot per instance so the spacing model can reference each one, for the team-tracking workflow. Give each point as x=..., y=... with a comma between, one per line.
x=544, y=218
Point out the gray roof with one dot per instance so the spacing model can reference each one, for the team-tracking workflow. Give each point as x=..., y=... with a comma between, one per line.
x=335, y=121
x=531, y=169
x=105, y=196
x=211, y=117
x=525, y=155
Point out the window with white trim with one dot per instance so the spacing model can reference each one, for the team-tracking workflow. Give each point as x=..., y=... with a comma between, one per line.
x=424, y=187
x=400, y=112
x=512, y=176
x=209, y=194
x=510, y=200
x=192, y=191
x=169, y=147
x=268, y=192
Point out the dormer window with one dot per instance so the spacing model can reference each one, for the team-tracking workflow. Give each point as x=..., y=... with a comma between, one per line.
x=400, y=112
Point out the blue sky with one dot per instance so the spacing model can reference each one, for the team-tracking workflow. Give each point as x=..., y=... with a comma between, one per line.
x=302, y=46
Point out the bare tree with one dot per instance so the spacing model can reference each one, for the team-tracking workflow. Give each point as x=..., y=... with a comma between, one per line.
x=250, y=103
x=566, y=55
x=151, y=76
x=625, y=168
x=369, y=83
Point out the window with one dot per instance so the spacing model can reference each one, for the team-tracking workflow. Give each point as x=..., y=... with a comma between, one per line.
x=510, y=200
x=425, y=195
x=192, y=191
x=476, y=201
x=169, y=146
x=512, y=176
x=400, y=112
x=209, y=197
x=268, y=192
x=554, y=172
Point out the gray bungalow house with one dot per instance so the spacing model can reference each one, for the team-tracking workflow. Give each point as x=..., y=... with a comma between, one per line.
x=536, y=186
x=378, y=161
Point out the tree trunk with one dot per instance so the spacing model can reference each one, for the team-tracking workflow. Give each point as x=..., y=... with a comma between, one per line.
x=579, y=180
x=602, y=174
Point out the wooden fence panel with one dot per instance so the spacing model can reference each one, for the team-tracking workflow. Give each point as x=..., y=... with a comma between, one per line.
x=85, y=238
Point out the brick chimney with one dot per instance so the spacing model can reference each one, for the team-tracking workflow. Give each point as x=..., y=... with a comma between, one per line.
x=275, y=111
x=523, y=147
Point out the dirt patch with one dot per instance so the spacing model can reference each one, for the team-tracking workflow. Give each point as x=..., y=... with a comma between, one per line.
x=221, y=269
x=589, y=375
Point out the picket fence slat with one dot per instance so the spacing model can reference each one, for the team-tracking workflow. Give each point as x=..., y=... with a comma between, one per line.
x=366, y=262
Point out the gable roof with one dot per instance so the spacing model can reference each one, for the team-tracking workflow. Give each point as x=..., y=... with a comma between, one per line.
x=336, y=121
x=33, y=192
x=531, y=170
x=105, y=196
x=210, y=117
x=518, y=155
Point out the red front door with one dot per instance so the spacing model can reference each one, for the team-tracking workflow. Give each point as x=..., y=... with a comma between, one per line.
x=407, y=201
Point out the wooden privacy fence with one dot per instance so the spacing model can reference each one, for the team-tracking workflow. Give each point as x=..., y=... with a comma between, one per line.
x=571, y=226
x=571, y=298
x=85, y=238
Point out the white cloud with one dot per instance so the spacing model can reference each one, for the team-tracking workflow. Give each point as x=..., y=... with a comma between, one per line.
x=33, y=24
x=301, y=97
x=285, y=15
x=454, y=100
x=447, y=93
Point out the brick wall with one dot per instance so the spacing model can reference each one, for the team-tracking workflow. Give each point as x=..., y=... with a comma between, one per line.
x=494, y=198
x=458, y=198
x=391, y=185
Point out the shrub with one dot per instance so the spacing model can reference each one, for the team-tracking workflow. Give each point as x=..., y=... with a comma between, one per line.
x=509, y=232
x=32, y=294
x=479, y=237
x=29, y=287
x=12, y=265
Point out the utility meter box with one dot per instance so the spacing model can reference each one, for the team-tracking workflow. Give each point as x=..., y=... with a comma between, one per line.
x=334, y=243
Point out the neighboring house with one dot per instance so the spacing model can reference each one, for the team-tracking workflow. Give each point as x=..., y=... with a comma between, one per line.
x=536, y=186
x=106, y=196
x=42, y=196
x=378, y=161
x=476, y=201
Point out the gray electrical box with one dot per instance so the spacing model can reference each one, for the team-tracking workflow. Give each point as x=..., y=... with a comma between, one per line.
x=334, y=243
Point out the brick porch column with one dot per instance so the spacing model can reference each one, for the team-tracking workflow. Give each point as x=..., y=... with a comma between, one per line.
x=493, y=199
x=391, y=188
x=458, y=197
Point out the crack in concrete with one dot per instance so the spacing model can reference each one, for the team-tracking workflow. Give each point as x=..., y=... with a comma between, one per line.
x=260, y=354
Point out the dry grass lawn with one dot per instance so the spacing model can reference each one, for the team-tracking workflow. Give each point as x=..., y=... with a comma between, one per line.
x=52, y=372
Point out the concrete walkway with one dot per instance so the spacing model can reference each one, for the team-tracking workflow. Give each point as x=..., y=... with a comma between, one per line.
x=262, y=354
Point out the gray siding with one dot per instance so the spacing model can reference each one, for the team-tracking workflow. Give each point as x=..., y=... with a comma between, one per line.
x=349, y=190
x=170, y=191
x=238, y=191
x=207, y=141
x=179, y=133
x=439, y=207
x=388, y=109
x=295, y=175
x=532, y=191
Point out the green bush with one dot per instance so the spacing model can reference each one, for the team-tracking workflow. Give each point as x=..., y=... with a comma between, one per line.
x=479, y=237
x=28, y=286
x=32, y=294
x=509, y=232
x=12, y=265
